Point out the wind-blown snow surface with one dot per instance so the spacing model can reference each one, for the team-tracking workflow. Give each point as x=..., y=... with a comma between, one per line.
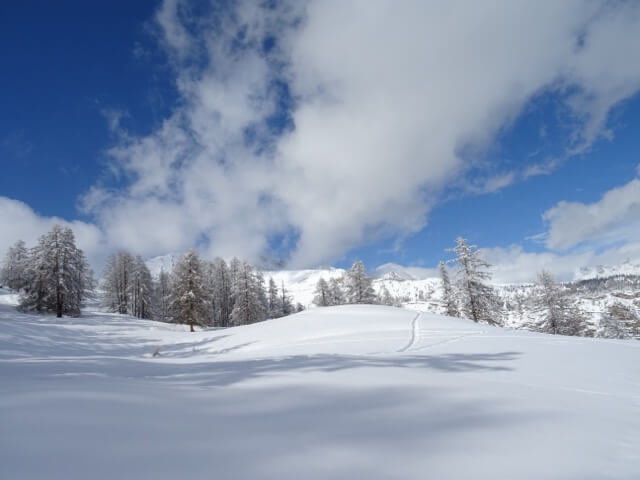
x=345, y=392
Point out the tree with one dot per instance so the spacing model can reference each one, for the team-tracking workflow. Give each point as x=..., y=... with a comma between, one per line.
x=161, y=298
x=286, y=307
x=561, y=316
x=13, y=273
x=479, y=302
x=336, y=294
x=248, y=307
x=140, y=289
x=322, y=297
x=222, y=292
x=117, y=282
x=619, y=321
x=385, y=298
x=273, y=300
x=359, y=289
x=448, y=296
x=299, y=307
x=188, y=296
x=58, y=276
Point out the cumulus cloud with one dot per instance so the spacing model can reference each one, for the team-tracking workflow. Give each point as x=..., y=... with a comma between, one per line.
x=615, y=218
x=334, y=122
x=20, y=222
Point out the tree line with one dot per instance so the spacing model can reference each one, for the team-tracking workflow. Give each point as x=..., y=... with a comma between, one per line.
x=196, y=292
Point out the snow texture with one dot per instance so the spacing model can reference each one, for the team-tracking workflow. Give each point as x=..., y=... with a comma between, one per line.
x=345, y=392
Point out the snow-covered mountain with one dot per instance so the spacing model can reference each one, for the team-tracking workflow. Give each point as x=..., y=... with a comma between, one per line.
x=606, y=271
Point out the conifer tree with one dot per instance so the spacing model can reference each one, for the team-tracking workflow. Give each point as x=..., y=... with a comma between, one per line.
x=188, y=296
x=336, y=293
x=161, y=298
x=117, y=282
x=286, y=307
x=479, y=302
x=140, y=289
x=273, y=300
x=222, y=292
x=359, y=289
x=561, y=314
x=322, y=296
x=248, y=306
x=13, y=273
x=448, y=297
x=57, y=275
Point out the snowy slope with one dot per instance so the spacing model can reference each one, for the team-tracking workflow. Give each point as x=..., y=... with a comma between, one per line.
x=342, y=393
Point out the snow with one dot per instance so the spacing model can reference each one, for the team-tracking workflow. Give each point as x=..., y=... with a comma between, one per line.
x=605, y=271
x=343, y=392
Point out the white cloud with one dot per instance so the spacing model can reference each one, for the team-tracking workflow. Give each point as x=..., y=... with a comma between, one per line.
x=515, y=265
x=20, y=222
x=615, y=218
x=388, y=96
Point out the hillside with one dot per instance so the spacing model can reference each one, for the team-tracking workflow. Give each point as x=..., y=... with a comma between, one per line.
x=342, y=392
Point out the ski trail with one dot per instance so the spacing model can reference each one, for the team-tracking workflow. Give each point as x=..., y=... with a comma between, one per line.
x=415, y=332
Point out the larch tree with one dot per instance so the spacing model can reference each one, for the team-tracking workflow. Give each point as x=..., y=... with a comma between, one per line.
x=448, y=294
x=140, y=289
x=286, y=305
x=57, y=275
x=161, y=297
x=359, y=285
x=188, y=296
x=273, y=300
x=322, y=295
x=479, y=302
x=222, y=292
x=248, y=305
x=561, y=315
x=336, y=292
x=13, y=273
x=117, y=282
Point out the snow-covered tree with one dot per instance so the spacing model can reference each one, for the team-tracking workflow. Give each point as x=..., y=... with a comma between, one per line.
x=248, y=305
x=358, y=284
x=299, y=307
x=336, y=293
x=222, y=292
x=561, y=315
x=13, y=273
x=286, y=305
x=322, y=295
x=117, y=282
x=188, y=295
x=385, y=298
x=140, y=289
x=57, y=275
x=161, y=298
x=273, y=300
x=619, y=321
x=448, y=294
x=479, y=302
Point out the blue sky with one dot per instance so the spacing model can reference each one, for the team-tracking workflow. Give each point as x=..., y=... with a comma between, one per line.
x=320, y=133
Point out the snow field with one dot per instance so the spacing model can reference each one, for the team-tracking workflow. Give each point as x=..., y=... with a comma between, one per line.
x=342, y=392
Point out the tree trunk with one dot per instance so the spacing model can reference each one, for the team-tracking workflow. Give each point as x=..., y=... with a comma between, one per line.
x=191, y=327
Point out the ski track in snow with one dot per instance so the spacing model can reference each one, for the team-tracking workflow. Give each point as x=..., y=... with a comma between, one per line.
x=415, y=333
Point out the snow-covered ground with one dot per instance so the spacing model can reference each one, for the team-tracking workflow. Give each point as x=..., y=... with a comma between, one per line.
x=343, y=392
